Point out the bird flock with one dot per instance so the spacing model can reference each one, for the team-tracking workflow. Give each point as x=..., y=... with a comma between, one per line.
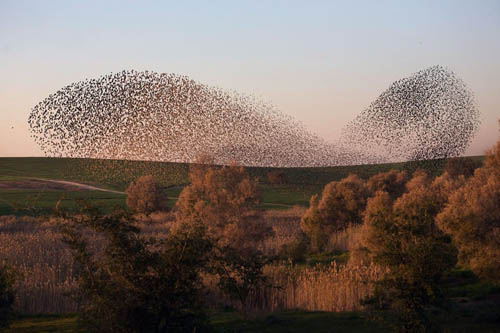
x=429, y=115
x=150, y=116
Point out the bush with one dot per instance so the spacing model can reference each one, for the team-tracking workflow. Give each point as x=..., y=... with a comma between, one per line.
x=472, y=218
x=460, y=166
x=402, y=236
x=144, y=195
x=296, y=250
x=134, y=284
x=6, y=294
x=276, y=177
x=392, y=182
x=342, y=204
x=223, y=200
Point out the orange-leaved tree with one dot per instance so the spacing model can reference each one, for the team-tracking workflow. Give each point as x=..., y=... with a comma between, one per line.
x=144, y=195
x=223, y=201
x=342, y=203
x=472, y=218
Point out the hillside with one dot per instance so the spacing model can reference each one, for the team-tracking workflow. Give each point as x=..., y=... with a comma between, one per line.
x=299, y=183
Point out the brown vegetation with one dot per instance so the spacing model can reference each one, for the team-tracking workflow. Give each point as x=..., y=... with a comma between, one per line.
x=472, y=218
x=144, y=195
x=342, y=203
x=276, y=177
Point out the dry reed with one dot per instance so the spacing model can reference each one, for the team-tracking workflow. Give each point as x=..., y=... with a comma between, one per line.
x=46, y=272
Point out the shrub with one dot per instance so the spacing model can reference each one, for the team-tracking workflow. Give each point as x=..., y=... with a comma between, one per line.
x=6, y=294
x=136, y=284
x=460, y=166
x=276, y=177
x=144, y=195
x=392, y=182
x=402, y=236
x=472, y=218
x=342, y=203
x=223, y=200
x=295, y=250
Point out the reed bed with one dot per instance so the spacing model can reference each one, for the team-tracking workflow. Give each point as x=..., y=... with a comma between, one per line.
x=332, y=288
x=46, y=273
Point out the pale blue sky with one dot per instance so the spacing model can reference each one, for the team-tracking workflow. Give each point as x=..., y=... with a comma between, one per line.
x=322, y=62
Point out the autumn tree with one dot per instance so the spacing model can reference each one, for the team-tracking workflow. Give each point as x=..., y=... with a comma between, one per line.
x=144, y=195
x=402, y=236
x=342, y=203
x=472, y=218
x=223, y=199
x=464, y=166
x=392, y=182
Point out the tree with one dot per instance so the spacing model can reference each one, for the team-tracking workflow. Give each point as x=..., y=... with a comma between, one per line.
x=7, y=294
x=223, y=200
x=276, y=177
x=136, y=284
x=472, y=218
x=392, y=182
x=342, y=203
x=144, y=195
x=458, y=166
x=402, y=236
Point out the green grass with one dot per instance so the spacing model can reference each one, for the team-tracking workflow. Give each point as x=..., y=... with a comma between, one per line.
x=294, y=321
x=290, y=321
x=118, y=174
x=39, y=202
x=301, y=184
x=45, y=323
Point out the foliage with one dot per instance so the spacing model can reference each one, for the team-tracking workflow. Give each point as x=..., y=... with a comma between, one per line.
x=458, y=166
x=7, y=294
x=223, y=200
x=472, y=218
x=342, y=203
x=392, y=182
x=402, y=236
x=276, y=177
x=144, y=195
x=134, y=284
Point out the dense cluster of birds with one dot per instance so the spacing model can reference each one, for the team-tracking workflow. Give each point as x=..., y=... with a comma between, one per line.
x=165, y=117
x=149, y=116
x=429, y=115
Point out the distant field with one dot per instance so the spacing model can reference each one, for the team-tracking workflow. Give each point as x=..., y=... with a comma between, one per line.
x=301, y=183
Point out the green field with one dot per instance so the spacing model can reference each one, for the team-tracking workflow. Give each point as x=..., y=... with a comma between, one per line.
x=301, y=183
x=117, y=174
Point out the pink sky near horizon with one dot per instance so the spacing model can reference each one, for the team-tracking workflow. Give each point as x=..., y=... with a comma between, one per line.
x=322, y=64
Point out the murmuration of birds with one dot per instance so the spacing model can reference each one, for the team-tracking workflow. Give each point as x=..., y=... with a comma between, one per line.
x=429, y=115
x=149, y=116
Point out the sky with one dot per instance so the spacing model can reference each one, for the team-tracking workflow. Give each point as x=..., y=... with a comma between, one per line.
x=321, y=62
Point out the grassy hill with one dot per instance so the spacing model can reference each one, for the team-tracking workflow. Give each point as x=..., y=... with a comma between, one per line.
x=300, y=184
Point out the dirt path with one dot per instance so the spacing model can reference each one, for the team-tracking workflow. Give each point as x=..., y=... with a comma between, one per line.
x=38, y=183
x=81, y=186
